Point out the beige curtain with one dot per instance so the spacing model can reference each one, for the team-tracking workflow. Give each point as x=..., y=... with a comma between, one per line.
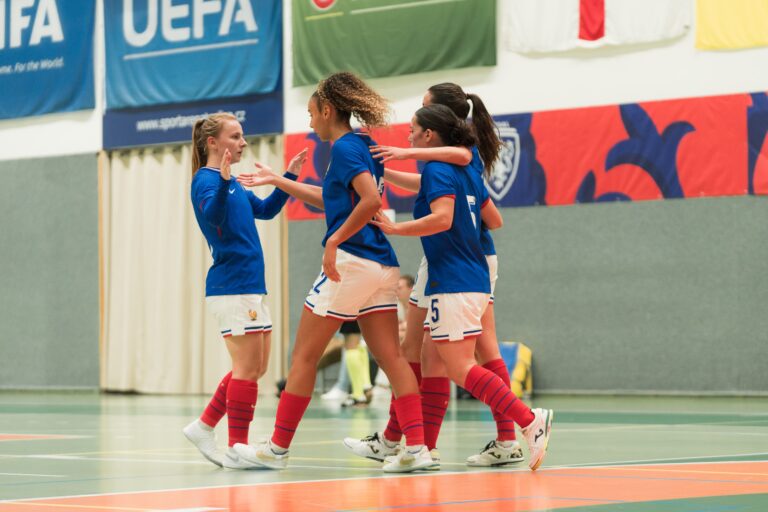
x=157, y=336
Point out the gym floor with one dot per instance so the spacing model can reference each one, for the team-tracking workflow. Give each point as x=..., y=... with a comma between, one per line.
x=88, y=451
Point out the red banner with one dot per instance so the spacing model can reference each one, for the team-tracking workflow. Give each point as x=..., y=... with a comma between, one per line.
x=696, y=147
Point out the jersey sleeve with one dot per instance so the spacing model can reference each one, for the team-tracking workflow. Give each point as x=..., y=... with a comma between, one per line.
x=436, y=181
x=210, y=199
x=270, y=206
x=348, y=161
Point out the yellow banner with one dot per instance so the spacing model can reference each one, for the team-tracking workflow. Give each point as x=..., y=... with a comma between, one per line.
x=731, y=24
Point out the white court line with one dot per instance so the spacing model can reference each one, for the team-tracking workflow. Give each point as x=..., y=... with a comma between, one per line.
x=33, y=474
x=645, y=462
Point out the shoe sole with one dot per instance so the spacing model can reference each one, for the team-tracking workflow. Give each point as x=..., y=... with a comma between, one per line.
x=423, y=467
x=212, y=461
x=252, y=466
x=536, y=463
x=371, y=457
x=259, y=463
x=497, y=464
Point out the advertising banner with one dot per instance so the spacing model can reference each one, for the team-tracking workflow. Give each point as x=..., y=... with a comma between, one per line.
x=159, y=52
x=686, y=148
x=377, y=38
x=46, y=56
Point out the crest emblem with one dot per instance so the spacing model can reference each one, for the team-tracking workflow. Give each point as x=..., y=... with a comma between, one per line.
x=322, y=5
x=506, y=167
x=252, y=314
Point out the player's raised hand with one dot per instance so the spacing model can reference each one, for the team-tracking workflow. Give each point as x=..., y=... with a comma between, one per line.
x=294, y=166
x=226, y=165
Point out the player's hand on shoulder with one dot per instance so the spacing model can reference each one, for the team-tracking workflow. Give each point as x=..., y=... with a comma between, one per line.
x=387, y=153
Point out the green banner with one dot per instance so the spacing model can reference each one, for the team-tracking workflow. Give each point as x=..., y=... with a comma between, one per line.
x=377, y=38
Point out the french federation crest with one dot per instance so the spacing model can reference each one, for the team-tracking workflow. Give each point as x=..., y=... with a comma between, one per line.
x=505, y=170
x=322, y=5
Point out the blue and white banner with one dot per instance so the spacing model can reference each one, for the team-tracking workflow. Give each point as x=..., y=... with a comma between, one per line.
x=259, y=115
x=178, y=51
x=46, y=56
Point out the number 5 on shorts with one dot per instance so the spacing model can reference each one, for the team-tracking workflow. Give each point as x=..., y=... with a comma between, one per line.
x=435, y=311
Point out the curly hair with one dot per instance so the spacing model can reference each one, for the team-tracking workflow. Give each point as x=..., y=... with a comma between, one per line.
x=350, y=96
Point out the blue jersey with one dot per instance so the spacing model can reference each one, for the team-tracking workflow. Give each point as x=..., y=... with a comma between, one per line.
x=350, y=156
x=456, y=263
x=486, y=241
x=225, y=212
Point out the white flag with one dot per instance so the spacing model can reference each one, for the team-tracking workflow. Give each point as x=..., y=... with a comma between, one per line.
x=560, y=25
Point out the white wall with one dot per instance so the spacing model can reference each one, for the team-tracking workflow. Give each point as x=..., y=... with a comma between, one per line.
x=518, y=83
x=521, y=83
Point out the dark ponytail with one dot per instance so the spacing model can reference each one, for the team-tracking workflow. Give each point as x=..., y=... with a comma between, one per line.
x=441, y=119
x=488, y=142
x=454, y=97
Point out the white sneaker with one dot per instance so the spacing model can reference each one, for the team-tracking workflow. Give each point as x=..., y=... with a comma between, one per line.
x=262, y=454
x=537, y=436
x=495, y=454
x=407, y=460
x=372, y=447
x=334, y=394
x=205, y=441
x=232, y=460
x=435, y=455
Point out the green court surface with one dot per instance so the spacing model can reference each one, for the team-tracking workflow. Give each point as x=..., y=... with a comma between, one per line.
x=58, y=444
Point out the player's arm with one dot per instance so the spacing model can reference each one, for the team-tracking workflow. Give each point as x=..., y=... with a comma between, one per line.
x=457, y=155
x=211, y=198
x=491, y=215
x=408, y=180
x=364, y=210
x=441, y=219
x=310, y=194
x=270, y=206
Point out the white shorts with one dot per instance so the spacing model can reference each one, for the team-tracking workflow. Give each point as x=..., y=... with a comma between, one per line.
x=418, y=298
x=240, y=314
x=456, y=316
x=366, y=287
x=493, y=271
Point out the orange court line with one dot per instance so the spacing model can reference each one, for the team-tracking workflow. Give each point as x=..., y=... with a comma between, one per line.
x=476, y=491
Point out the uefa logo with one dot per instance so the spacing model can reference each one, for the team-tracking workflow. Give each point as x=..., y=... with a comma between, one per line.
x=322, y=5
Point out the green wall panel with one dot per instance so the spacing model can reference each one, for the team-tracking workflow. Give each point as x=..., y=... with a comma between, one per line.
x=49, y=303
x=659, y=296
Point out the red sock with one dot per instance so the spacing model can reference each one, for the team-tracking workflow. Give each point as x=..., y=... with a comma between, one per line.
x=505, y=425
x=393, y=432
x=435, y=394
x=217, y=407
x=489, y=388
x=241, y=401
x=290, y=410
x=409, y=412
